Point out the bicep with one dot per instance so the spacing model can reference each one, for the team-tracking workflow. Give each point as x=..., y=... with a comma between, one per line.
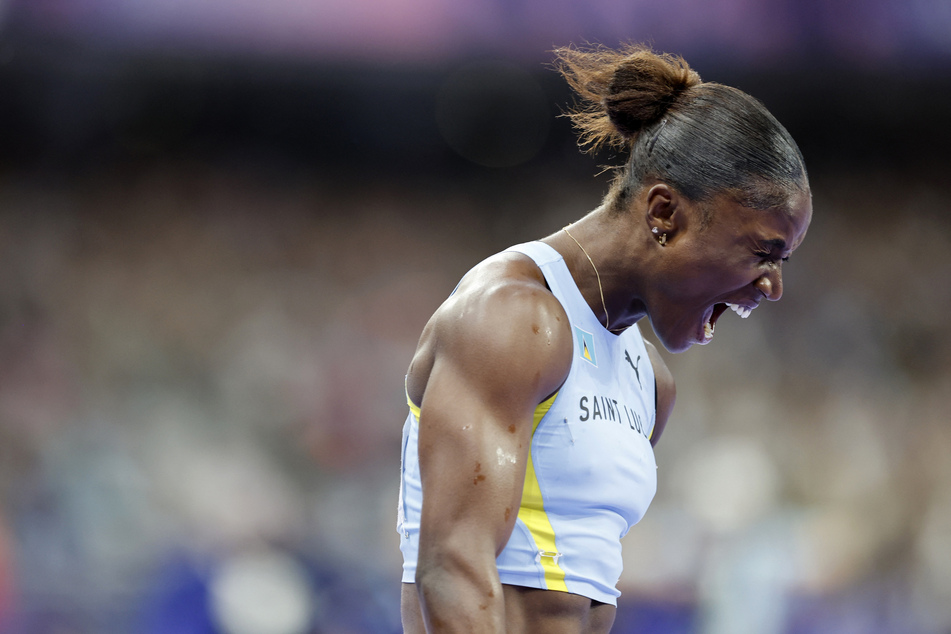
x=475, y=421
x=472, y=463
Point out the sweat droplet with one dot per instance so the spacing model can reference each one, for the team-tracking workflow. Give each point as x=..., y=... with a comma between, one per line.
x=505, y=457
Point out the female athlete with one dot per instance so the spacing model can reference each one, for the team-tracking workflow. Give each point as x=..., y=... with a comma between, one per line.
x=534, y=401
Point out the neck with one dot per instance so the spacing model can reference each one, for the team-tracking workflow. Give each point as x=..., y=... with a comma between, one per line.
x=607, y=240
x=597, y=275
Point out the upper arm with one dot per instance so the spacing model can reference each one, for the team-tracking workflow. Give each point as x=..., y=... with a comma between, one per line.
x=495, y=354
x=666, y=391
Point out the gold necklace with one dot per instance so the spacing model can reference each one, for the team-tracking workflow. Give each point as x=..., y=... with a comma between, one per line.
x=607, y=320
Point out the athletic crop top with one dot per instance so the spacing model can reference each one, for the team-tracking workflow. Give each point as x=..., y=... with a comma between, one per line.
x=591, y=472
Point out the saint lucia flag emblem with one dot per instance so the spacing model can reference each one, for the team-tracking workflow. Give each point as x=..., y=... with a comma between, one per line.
x=586, y=346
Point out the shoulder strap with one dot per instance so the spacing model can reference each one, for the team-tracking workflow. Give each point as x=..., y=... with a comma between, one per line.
x=538, y=251
x=557, y=275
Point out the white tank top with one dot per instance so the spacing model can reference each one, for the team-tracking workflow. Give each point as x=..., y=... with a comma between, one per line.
x=591, y=473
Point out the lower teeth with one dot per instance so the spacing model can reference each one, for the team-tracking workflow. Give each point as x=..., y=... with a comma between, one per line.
x=708, y=330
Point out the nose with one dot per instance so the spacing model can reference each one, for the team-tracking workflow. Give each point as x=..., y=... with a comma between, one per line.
x=771, y=284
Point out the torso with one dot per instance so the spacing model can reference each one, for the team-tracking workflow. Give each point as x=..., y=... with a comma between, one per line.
x=590, y=457
x=566, y=608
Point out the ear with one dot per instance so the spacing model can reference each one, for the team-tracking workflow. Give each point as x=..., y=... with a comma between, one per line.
x=665, y=210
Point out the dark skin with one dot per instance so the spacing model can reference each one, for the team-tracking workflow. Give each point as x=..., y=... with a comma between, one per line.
x=502, y=344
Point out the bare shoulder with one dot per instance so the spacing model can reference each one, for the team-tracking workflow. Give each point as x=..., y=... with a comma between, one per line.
x=501, y=327
x=666, y=390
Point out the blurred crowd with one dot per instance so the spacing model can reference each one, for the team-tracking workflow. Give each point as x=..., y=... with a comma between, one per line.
x=201, y=399
x=224, y=224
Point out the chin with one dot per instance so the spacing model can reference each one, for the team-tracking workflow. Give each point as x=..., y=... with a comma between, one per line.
x=675, y=346
x=676, y=337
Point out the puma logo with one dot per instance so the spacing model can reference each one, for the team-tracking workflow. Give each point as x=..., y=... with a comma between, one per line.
x=637, y=373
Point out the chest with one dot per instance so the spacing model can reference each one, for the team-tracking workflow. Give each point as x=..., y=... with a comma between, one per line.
x=592, y=448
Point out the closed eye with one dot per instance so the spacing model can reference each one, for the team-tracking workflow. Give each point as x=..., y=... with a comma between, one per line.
x=769, y=257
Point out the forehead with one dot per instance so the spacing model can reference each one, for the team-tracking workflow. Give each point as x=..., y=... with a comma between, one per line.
x=783, y=227
x=795, y=218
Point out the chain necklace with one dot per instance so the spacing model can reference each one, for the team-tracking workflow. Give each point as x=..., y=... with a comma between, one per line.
x=607, y=320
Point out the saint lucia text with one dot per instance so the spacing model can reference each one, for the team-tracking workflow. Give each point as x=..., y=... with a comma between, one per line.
x=605, y=408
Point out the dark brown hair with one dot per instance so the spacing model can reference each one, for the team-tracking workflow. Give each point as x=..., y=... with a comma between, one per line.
x=702, y=138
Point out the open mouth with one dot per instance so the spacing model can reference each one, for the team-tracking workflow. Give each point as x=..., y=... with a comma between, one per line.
x=714, y=313
x=711, y=321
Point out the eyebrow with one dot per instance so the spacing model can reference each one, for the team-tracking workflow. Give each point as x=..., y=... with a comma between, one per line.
x=776, y=243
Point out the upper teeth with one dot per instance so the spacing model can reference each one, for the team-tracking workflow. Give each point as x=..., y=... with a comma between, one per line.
x=742, y=311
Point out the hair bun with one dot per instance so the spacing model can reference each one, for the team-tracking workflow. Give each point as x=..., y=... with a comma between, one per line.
x=643, y=88
x=622, y=91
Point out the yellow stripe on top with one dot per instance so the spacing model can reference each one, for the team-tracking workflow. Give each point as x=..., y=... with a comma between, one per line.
x=533, y=515
x=413, y=407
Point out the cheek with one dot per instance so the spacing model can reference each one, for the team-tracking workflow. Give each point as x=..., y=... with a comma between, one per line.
x=704, y=281
x=714, y=280
x=705, y=272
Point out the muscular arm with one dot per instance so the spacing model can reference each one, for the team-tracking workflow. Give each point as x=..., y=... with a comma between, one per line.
x=666, y=392
x=492, y=353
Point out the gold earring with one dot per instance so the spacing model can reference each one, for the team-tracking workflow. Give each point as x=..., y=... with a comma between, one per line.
x=662, y=238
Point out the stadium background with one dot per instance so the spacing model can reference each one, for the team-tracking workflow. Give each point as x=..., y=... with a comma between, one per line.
x=223, y=224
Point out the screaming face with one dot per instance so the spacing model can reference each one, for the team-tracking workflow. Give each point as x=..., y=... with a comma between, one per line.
x=733, y=263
